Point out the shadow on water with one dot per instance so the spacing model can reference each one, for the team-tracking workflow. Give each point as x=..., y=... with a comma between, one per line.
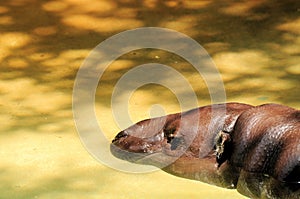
x=255, y=45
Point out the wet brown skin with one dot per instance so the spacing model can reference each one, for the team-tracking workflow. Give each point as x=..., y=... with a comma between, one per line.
x=266, y=147
x=233, y=145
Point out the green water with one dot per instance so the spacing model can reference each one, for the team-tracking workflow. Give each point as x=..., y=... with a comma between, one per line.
x=255, y=46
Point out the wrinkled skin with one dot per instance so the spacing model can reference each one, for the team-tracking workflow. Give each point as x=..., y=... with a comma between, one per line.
x=266, y=146
x=233, y=145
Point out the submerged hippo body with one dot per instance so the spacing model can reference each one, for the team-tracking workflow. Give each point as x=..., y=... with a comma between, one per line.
x=233, y=145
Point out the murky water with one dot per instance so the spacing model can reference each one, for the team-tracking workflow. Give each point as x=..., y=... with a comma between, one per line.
x=255, y=46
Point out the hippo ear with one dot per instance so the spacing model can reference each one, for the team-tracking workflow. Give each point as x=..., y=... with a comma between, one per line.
x=223, y=147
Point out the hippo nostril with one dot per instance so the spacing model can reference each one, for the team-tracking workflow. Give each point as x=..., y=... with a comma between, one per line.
x=120, y=135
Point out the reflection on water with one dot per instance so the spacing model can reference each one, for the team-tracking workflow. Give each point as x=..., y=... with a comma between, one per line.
x=255, y=45
x=263, y=186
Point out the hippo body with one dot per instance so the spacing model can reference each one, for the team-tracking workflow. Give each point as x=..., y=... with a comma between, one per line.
x=233, y=145
x=266, y=149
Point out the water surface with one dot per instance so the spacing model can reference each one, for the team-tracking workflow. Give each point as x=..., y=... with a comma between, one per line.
x=255, y=46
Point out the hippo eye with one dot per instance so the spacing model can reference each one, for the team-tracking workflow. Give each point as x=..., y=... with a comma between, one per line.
x=174, y=141
x=169, y=134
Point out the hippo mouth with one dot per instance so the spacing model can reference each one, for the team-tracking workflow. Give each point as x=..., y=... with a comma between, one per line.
x=159, y=159
x=156, y=151
x=126, y=155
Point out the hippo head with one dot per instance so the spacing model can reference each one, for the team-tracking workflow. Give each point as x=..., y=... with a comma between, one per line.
x=157, y=141
x=187, y=144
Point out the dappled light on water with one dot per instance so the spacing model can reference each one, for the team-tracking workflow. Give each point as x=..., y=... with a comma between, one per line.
x=254, y=44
